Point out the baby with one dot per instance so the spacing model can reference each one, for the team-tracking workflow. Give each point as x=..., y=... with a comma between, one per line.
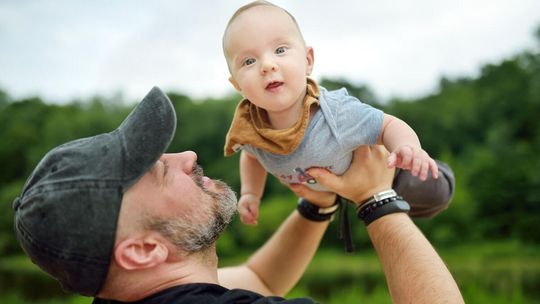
x=287, y=124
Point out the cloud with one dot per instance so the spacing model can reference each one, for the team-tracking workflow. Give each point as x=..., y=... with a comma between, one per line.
x=66, y=49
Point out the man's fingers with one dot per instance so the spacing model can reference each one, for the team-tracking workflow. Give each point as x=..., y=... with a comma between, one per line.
x=298, y=189
x=323, y=177
x=319, y=198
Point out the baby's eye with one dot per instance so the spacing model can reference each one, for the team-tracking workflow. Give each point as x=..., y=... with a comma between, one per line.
x=280, y=50
x=249, y=61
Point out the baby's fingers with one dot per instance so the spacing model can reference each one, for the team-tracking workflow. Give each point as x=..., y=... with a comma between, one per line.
x=392, y=160
x=417, y=164
x=254, y=212
x=423, y=172
x=406, y=160
x=249, y=220
x=434, y=168
x=246, y=215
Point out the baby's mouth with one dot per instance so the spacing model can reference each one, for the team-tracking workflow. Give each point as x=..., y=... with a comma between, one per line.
x=274, y=85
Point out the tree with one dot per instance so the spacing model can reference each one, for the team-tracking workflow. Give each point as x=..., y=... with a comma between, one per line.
x=361, y=92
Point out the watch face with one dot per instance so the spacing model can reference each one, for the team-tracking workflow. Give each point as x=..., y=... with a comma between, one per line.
x=403, y=205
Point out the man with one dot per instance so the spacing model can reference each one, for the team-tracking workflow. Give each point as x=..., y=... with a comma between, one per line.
x=111, y=216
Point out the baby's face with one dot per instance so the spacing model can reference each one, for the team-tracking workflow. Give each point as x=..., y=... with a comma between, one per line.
x=268, y=58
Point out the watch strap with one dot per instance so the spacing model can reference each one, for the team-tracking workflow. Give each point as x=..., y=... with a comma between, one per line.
x=381, y=204
x=315, y=213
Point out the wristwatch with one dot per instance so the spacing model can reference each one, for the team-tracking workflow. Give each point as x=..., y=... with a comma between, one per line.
x=315, y=213
x=381, y=204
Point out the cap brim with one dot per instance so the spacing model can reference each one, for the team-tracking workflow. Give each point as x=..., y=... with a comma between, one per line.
x=147, y=133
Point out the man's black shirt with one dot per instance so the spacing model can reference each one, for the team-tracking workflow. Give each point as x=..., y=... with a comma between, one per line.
x=208, y=293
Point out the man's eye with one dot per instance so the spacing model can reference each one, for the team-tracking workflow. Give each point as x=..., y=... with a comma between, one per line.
x=280, y=50
x=249, y=61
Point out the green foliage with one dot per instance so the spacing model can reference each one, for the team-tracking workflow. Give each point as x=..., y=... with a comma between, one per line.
x=21, y=124
x=480, y=126
x=500, y=272
x=8, y=242
x=22, y=282
x=496, y=272
x=4, y=99
x=272, y=213
x=202, y=127
x=487, y=128
x=361, y=92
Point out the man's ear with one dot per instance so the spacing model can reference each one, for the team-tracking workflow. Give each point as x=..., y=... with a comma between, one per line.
x=310, y=57
x=234, y=83
x=141, y=252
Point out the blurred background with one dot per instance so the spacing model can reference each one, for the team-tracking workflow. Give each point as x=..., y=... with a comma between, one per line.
x=464, y=74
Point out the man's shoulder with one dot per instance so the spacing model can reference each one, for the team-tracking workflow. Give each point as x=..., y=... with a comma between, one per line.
x=209, y=293
x=246, y=296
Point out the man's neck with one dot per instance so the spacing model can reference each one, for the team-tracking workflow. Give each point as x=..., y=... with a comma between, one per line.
x=138, y=284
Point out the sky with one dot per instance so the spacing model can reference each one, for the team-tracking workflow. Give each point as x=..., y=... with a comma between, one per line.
x=73, y=49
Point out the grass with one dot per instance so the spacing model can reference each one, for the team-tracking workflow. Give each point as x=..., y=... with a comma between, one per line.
x=495, y=272
x=501, y=272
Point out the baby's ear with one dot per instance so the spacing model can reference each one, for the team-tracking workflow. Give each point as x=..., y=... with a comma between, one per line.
x=234, y=83
x=310, y=57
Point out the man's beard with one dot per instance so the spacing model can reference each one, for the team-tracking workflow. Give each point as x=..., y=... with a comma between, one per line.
x=199, y=230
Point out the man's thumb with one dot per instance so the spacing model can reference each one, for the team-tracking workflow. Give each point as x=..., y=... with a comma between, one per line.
x=325, y=178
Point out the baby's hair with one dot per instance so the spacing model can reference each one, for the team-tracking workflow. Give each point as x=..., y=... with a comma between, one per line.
x=258, y=3
x=255, y=4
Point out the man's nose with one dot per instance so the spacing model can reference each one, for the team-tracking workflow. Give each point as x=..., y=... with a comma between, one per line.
x=186, y=160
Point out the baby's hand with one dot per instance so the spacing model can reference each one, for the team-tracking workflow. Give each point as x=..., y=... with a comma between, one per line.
x=414, y=159
x=248, y=208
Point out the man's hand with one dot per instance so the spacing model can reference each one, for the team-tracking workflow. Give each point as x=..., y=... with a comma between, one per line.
x=248, y=208
x=322, y=199
x=367, y=175
x=414, y=159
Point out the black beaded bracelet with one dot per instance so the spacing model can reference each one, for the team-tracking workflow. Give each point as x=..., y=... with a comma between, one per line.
x=376, y=208
x=315, y=213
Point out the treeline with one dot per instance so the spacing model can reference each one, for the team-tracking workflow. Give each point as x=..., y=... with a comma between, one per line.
x=486, y=127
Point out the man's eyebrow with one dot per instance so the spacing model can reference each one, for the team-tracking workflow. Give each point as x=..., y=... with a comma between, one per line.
x=154, y=172
x=165, y=168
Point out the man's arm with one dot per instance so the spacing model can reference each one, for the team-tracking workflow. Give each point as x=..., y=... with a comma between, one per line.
x=277, y=266
x=414, y=271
